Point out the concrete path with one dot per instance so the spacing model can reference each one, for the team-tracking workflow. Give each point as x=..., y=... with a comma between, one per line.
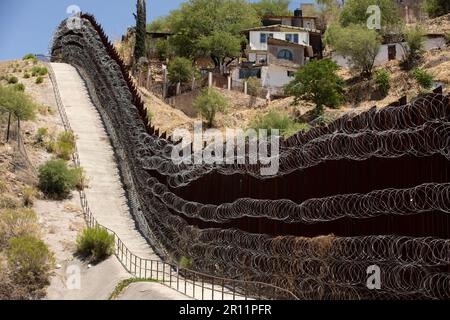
x=106, y=196
x=105, y=193
x=150, y=291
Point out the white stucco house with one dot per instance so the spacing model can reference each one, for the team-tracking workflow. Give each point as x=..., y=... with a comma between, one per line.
x=274, y=53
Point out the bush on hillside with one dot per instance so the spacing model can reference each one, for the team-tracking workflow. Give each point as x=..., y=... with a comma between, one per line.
x=278, y=120
x=17, y=222
x=95, y=243
x=423, y=78
x=13, y=80
x=209, y=103
x=382, y=80
x=64, y=146
x=56, y=179
x=29, y=259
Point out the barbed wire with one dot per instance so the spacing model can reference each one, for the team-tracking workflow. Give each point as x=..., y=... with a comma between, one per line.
x=319, y=268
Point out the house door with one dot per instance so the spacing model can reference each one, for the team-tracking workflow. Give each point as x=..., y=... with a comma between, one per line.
x=392, y=52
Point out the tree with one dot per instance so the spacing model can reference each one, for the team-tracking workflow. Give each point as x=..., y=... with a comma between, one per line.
x=209, y=103
x=272, y=7
x=141, y=32
x=180, y=70
x=359, y=44
x=318, y=82
x=17, y=102
x=160, y=24
x=413, y=47
x=436, y=8
x=220, y=45
x=355, y=12
x=202, y=18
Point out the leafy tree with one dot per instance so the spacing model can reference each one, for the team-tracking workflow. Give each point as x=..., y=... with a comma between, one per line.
x=318, y=82
x=141, y=34
x=355, y=12
x=359, y=44
x=201, y=18
x=18, y=103
x=220, y=45
x=180, y=70
x=160, y=24
x=209, y=103
x=436, y=8
x=413, y=47
x=272, y=7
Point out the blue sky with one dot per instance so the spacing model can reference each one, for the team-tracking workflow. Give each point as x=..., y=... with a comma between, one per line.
x=26, y=26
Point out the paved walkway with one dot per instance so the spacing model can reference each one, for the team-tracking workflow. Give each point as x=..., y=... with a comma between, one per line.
x=106, y=196
x=105, y=193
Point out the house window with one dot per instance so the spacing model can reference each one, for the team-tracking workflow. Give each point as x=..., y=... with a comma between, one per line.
x=285, y=55
x=247, y=73
x=292, y=37
x=265, y=36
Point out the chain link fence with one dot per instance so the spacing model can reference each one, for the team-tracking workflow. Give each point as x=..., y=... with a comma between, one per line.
x=11, y=135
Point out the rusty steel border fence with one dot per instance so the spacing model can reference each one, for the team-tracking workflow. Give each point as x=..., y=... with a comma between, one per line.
x=191, y=283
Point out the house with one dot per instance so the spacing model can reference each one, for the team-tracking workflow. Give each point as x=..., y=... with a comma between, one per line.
x=392, y=48
x=274, y=53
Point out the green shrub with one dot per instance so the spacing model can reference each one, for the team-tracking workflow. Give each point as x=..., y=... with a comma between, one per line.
x=186, y=263
x=56, y=180
x=39, y=80
x=277, y=120
x=26, y=75
x=13, y=80
x=209, y=103
x=180, y=70
x=64, y=146
x=423, y=78
x=80, y=179
x=382, y=80
x=19, y=87
x=413, y=47
x=17, y=223
x=30, y=56
x=95, y=243
x=29, y=259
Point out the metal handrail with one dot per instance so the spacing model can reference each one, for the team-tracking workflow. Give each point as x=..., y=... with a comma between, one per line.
x=125, y=256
